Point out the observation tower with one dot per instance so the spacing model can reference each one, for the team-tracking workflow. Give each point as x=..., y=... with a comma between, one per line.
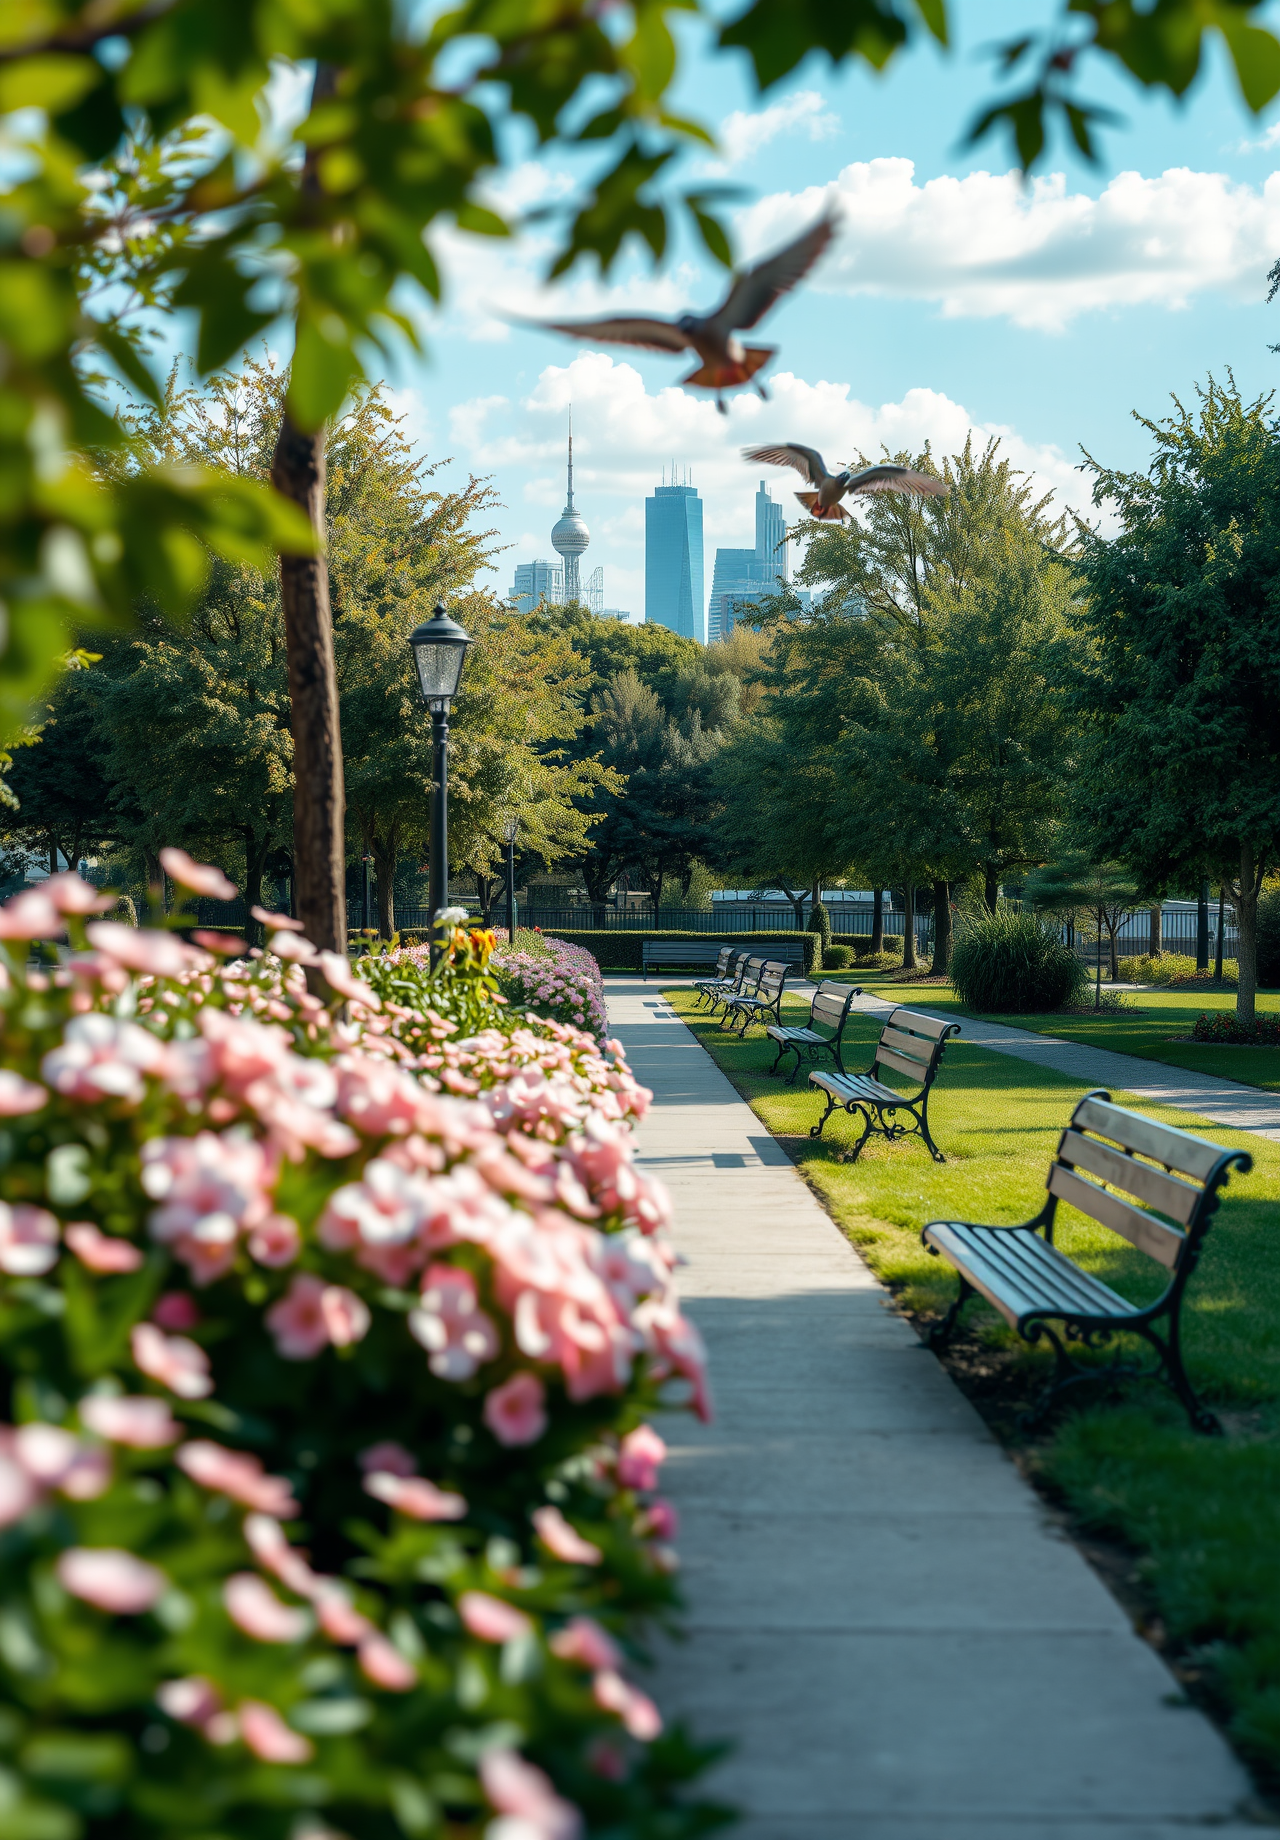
x=570, y=537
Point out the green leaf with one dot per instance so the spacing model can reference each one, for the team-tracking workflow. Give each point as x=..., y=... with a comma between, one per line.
x=713, y=235
x=126, y=360
x=53, y=81
x=213, y=286
x=480, y=222
x=324, y=369
x=1256, y=56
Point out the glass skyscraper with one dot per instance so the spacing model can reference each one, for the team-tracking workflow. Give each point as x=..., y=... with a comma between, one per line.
x=745, y=576
x=673, y=561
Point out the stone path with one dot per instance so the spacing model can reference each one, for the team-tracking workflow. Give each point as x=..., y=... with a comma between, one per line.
x=1244, y=1108
x=880, y=1615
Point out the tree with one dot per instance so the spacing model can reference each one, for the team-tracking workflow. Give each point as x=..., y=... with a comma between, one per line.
x=1181, y=687
x=58, y=782
x=1075, y=881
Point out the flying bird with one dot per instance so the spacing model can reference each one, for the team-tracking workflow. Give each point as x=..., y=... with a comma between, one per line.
x=824, y=502
x=724, y=362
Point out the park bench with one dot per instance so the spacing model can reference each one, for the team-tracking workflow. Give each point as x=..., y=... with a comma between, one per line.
x=1034, y=1284
x=744, y=976
x=910, y=1044
x=749, y=1006
x=657, y=952
x=829, y=1010
x=721, y=978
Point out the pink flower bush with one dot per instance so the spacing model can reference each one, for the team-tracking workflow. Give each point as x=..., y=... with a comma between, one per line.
x=355, y=1312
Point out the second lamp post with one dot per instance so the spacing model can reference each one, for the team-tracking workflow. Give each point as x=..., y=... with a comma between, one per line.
x=439, y=647
x=510, y=831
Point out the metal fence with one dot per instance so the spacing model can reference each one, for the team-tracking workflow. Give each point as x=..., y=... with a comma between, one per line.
x=742, y=917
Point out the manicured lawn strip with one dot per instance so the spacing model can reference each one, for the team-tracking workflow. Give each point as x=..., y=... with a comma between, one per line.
x=1204, y=1514
x=1165, y=1013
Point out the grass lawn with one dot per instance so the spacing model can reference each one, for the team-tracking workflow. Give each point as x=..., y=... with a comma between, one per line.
x=1145, y=1028
x=1201, y=1514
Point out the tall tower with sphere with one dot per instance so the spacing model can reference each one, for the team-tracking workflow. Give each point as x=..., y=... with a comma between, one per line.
x=571, y=536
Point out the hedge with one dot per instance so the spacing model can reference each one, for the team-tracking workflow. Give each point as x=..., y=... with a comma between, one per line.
x=620, y=951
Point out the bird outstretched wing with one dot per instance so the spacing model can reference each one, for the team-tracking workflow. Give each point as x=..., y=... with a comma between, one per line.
x=752, y=294
x=649, y=334
x=806, y=460
x=891, y=478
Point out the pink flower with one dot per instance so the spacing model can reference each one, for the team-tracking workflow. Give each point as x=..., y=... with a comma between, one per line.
x=254, y=1607
x=18, y=1096
x=636, y=1710
x=173, y=1360
x=142, y=948
x=415, y=1496
x=54, y=1458
x=18, y=1491
x=28, y=1240
x=313, y=1314
x=101, y=1252
x=276, y=922
x=71, y=895
x=268, y=1737
x=339, y=1618
x=192, y=1701
x=239, y=1475
x=515, y=1412
x=562, y=1539
x=384, y=1665
x=111, y=1579
x=492, y=1619
x=639, y=1455
x=200, y=878
x=661, y=1520
x=525, y=1798
x=103, y=1057
x=141, y=1421
x=266, y=1540
x=30, y=915
x=176, y=1310
x=389, y=1456
x=275, y=1242
x=340, y=977
x=450, y=1324
x=211, y=1188
x=582, y=1640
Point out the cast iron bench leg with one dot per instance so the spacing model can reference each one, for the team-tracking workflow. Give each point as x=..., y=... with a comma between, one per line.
x=940, y=1334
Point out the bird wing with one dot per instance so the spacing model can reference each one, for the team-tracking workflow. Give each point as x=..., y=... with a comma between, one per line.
x=650, y=334
x=891, y=478
x=806, y=460
x=752, y=294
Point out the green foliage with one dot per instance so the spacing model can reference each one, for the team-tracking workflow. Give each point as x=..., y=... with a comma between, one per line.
x=1269, y=938
x=1177, y=968
x=819, y=922
x=1009, y=961
x=879, y=961
x=837, y=958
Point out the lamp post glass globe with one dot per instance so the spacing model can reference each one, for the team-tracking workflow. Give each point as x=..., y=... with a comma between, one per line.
x=439, y=647
x=510, y=829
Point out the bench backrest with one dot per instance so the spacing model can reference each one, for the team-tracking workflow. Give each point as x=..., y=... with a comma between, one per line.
x=677, y=952
x=1180, y=1180
x=773, y=975
x=723, y=958
x=831, y=1005
x=912, y=1044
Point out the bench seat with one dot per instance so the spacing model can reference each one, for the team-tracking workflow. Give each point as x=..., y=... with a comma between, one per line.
x=845, y=1087
x=1022, y=1275
x=831, y=1005
x=911, y=1043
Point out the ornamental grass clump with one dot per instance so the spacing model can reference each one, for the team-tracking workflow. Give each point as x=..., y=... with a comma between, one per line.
x=1010, y=961
x=328, y=1336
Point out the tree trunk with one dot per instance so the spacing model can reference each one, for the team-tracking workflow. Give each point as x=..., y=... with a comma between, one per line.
x=909, y=928
x=1217, y=955
x=319, y=847
x=659, y=877
x=256, y=852
x=991, y=888
x=877, y=920
x=941, y=928
x=384, y=865
x=1202, y=928
x=1155, y=948
x=1246, y=906
x=1113, y=927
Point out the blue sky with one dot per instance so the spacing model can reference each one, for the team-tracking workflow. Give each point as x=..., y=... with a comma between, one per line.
x=955, y=297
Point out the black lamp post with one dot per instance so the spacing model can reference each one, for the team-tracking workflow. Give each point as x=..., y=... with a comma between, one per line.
x=439, y=648
x=510, y=831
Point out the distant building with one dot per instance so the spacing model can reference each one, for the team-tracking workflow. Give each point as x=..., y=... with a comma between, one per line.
x=620, y=613
x=744, y=577
x=593, y=593
x=535, y=583
x=673, y=594
x=570, y=535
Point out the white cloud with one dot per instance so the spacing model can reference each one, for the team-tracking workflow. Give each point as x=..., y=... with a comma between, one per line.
x=746, y=131
x=624, y=436
x=987, y=246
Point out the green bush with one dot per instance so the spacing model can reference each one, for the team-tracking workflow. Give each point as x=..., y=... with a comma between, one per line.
x=820, y=923
x=1013, y=961
x=1173, y=968
x=620, y=951
x=837, y=958
x=1269, y=938
x=879, y=961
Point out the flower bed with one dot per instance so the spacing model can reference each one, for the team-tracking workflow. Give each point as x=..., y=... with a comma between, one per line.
x=561, y=981
x=1223, y=1026
x=325, y=1484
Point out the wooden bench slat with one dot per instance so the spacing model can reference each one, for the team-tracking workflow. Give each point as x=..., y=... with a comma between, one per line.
x=1018, y=1272
x=1142, y=1230
x=932, y=1026
x=1170, y=1194
x=1192, y=1156
x=888, y=1057
x=910, y=1045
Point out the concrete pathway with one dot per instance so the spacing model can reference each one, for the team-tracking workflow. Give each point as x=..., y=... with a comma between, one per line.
x=880, y=1615
x=1244, y=1108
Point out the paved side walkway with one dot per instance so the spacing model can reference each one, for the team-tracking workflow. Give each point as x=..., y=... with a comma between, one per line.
x=880, y=1616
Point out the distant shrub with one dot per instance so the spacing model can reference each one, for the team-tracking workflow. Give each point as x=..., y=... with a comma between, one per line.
x=838, y=958
x=1013, y=961
x=1269, y=938
x=1223, y=1026
x=1147, y=970
x=879, y=961
x=820, y=923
